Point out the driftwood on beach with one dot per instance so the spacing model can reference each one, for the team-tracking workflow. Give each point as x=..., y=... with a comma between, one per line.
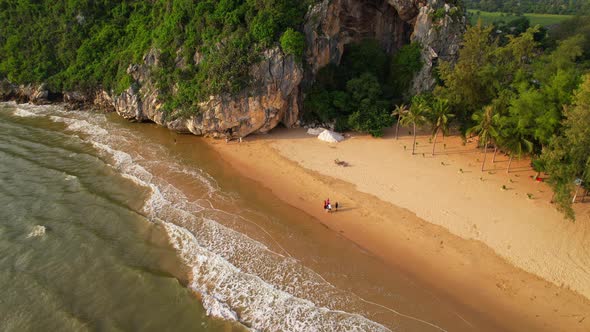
x=341, y=163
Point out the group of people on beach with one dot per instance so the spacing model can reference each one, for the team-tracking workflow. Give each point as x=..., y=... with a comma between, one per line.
x=328, y=205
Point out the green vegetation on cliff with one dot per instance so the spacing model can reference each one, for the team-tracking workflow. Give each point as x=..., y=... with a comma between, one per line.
x=519, y=89
x=358, y=94
x=78, y=44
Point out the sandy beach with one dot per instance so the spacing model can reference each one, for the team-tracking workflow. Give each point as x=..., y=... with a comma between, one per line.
x=491, y=241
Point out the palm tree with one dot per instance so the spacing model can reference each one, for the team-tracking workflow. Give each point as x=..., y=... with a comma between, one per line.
x=440, y=116
x=400, y=111
x=416, y=116
x=517, y=144
x=485, y=128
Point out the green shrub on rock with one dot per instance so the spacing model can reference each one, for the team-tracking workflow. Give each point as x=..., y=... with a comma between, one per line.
x=293, y=43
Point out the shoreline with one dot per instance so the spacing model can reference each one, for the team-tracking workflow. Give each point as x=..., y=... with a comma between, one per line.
x=468, y=270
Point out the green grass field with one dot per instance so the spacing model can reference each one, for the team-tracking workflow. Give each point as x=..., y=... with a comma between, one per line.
x=541, y=19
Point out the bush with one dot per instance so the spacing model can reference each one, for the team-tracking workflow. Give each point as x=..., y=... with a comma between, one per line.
x=404, y=65
x=439, y=14
x=357, y=94
x=263, y=28
x=371, y=118
x=293, y=43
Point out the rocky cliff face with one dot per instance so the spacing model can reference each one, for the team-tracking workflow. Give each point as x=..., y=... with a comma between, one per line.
x=275, y=93
x=36, y=94
x=440, y=38
x=271, y=98
x=332, y=24
x=274, y=96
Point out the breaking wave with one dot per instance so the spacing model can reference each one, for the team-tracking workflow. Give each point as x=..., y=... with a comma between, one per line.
x=236, y=277
x=23, y=113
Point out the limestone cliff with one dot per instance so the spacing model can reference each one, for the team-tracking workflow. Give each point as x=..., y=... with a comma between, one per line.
x=36, y=94
x=271, y=98
x=332, y=24
x=274, y=94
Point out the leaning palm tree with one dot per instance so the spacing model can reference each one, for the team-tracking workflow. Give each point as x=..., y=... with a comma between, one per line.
x=400, y=111
x=440, y=116
x=416, y=116
x=486, y=129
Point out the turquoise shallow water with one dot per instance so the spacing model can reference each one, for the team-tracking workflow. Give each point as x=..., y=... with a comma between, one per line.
x=100, y=265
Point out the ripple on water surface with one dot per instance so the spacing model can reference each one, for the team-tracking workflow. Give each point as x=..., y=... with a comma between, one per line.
x=235, y=276
x=76, y=254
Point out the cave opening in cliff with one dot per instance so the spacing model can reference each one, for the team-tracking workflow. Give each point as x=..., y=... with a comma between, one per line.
x=377, y=20
x=367, y=80
x=363, y=63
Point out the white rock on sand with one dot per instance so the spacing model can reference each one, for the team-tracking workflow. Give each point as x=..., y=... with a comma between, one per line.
x=315, y=131
x=330, y=136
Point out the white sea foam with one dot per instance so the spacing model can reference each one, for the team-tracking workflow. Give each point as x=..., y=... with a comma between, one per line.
x=70, y=177
x=37, y=231
x=80, y=126
x=30, y=110
x=237, y=277
x=256, y=302
x=23, y=113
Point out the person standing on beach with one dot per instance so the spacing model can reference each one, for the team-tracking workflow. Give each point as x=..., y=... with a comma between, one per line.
x=335, y=206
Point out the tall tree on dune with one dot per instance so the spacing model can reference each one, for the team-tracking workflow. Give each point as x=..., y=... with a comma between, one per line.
x=469, y=83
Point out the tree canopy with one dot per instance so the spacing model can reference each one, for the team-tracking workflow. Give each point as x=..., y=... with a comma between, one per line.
x=511, y=90
x=567, y=156
x=359, y=93
x=80, y=44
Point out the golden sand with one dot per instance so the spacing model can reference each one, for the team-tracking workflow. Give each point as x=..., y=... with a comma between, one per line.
x=491, y=240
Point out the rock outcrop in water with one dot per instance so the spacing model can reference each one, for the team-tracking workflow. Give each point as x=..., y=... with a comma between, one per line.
x=275, y=93
x=37, y=94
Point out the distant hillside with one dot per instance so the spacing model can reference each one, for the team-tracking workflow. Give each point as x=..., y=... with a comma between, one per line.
x=571, y=7
x=495, y=17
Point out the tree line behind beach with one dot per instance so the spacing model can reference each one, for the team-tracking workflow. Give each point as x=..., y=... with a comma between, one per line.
x=521, y=90
x=527, y=92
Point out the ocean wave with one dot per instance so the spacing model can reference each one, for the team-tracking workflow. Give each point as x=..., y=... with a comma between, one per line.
x=237, y=277
x=23, y=113
x=30, y=110
x=262, y=272
x=80, y=125
x=229, y=292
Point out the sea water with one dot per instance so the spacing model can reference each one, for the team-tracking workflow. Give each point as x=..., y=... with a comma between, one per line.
x=108, y=225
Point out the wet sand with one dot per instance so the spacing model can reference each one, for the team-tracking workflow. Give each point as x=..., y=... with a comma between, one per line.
x=475, y=238
x=346, y=277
